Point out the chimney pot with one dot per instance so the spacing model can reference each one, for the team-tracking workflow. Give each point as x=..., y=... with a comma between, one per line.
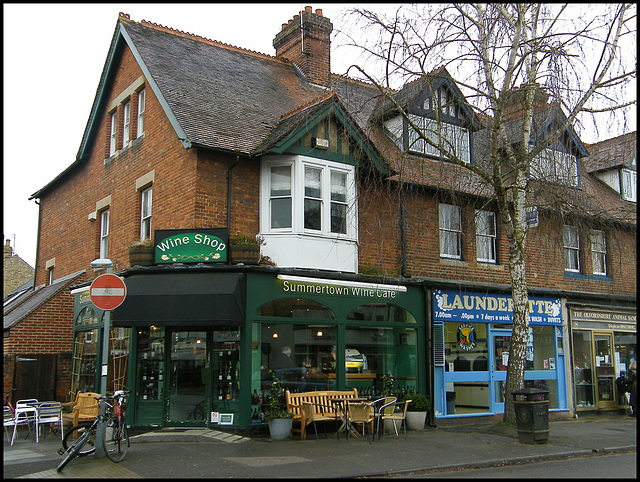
x=284, y=25
x=307, y=9
x=319, y=12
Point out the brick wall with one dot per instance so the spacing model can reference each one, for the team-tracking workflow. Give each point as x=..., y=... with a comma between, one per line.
x=47, y=330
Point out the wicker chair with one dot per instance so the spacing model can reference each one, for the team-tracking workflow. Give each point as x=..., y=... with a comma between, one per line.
x=361, y=413
x=388, y=412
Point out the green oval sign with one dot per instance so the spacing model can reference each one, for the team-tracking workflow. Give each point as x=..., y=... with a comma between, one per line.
x=191, y=247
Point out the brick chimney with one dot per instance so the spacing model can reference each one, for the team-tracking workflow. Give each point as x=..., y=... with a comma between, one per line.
x=305, y=41
x=8, y=252
x=514, y=107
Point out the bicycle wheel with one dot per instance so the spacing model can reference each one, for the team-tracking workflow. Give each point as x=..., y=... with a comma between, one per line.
x=116, y=440
x=73, y=452
x=72, y=435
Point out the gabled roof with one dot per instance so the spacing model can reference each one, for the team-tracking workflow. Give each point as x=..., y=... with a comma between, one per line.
x=612, y=153
x=215, y=96
x=416, y=90
x=20, y=308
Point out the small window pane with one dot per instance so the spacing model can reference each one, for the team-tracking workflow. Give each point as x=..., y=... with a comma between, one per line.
x=312, y=213
x=338, y=218
x=104, y=234
x=145, y=227
x=281, y=181
x=281, y=213
x=313, y=182
x=338, y=186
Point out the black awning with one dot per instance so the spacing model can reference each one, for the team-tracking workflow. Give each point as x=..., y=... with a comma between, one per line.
x=183, y=299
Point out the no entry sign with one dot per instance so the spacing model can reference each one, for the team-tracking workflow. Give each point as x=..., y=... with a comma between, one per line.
x=107, y=291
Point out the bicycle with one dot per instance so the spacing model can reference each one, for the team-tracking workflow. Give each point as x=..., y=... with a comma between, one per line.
x=116, y=435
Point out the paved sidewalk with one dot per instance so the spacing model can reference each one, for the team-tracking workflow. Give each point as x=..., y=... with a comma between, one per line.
x=210, y=453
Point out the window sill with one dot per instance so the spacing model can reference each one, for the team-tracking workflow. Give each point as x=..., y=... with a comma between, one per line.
x=593, y=277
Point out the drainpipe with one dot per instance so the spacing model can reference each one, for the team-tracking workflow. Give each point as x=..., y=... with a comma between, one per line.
x=430, y=367
x=35, y=270
x=403, y=233
x=229, y=193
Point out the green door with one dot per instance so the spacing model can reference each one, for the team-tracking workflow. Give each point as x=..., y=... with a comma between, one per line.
x=188, y=379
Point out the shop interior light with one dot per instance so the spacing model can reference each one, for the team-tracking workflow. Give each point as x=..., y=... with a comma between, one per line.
x=334, y=282
x=275, y=335
x=319, y=334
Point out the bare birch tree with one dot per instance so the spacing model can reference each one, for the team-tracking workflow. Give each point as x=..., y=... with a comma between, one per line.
x=575, y=53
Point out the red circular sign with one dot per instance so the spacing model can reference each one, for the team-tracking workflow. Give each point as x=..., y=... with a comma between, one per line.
x=107, y=291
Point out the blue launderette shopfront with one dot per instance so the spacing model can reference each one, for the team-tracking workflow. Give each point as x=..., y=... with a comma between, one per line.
x=471, y=337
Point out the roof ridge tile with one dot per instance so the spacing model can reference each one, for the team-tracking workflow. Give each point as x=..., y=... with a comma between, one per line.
x=316, y=100
x=200, y=38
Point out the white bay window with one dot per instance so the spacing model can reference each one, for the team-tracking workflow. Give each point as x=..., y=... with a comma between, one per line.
x=308, y=212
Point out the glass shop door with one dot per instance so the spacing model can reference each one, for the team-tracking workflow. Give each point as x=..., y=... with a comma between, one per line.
x=605, y=370
x=189, y=379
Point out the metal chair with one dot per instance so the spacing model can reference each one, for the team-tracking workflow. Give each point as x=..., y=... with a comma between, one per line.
x=9, y=421
x=26, y=413
x=361, y=413
x=388, y=412
x=49, y=413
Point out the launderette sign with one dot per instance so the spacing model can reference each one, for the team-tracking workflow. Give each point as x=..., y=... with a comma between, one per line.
x=469, y=307
x=191, y=246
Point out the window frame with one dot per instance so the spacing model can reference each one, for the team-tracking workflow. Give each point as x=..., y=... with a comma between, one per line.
x=141, y=110
x=146, y=194
x=113, y=145
x=126, y=129
x=104, y=234
x=450, y=229
x=571, y=252
x=492, y=238
x=298, y=196
x=547, y=167
x=453, y=135
x=629, y=190
x=598, y=256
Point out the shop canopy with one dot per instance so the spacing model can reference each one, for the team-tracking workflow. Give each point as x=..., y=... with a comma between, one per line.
x=201, y=299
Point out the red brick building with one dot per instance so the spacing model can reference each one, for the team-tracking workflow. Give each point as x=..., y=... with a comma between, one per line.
x=191, y=143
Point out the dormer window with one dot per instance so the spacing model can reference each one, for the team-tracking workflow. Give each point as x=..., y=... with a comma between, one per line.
x=454, y=139
x=556, y=166
x=629, y=189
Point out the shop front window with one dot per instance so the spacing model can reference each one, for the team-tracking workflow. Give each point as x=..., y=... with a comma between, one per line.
x=372, y=352
x=295, y=308
x=583, y=369
x=466, y=347
x=118, y=358
x=83, y=376
x=541, y=348
x=87, y=316
x=382, y=312
x=302, y=357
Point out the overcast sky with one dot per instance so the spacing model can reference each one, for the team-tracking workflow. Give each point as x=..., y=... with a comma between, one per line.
x=53, y=58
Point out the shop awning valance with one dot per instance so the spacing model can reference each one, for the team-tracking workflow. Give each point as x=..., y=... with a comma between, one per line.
x=183, y=299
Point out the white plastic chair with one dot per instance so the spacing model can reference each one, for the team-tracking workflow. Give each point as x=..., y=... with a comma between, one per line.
x=26, y=413
x=50, y=412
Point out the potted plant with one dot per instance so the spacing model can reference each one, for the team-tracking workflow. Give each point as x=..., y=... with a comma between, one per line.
x=280, y=420
x=245, y=249
x=141, y=252
x=417, y=411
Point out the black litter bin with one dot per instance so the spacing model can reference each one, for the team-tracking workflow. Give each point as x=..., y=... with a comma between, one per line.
x=532, y=415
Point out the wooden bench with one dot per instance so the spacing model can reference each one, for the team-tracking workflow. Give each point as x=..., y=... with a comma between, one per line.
x=85, y=408
x=321, y=400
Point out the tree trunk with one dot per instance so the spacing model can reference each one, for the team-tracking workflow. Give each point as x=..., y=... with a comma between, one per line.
x=519, y=292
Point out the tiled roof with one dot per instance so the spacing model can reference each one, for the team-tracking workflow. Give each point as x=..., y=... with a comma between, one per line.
x=26, y=304
x=222, y=97
x=611, y=153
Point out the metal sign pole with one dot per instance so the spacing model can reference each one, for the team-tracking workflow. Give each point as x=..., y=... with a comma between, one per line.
x=101, y=428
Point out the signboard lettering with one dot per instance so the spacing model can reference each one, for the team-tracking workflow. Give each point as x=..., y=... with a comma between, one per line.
x=482, y=308
x=191, y=246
